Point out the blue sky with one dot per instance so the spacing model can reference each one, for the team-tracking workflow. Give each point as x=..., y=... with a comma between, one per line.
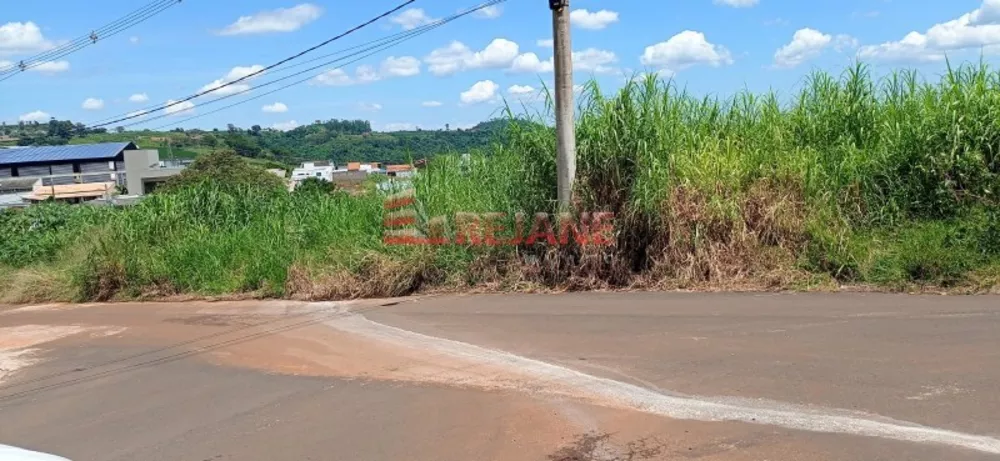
x=457, y=74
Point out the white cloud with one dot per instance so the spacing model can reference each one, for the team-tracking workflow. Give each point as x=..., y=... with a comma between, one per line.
x=279, y=20
x=806, y=44
x=370, y=106
x=366, y=74
x=334, y=77
x=432, y=104
x=545, y=43
x=276, y=108
x=133, y=40
x=594, y=21
x=978, y=28
x=22, y=37
x=483, y=91
x=521, y=90
x=400, y=127
x=36, y=116
x=455, y=57
x=93, y=104
x=406, y=66
x=183, y=108
x=737, y=3
x=285, y=126
x=529, y=62
x=49, y=67
x=139, y=98
x=412, y=18
x=594, y=60
x=490, y=12
x=234, y=74
x=684, y=50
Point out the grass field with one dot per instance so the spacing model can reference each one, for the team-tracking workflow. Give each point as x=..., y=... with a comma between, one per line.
x=887, y=183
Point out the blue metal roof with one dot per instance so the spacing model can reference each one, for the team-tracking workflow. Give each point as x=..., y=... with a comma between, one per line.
x=45, y=154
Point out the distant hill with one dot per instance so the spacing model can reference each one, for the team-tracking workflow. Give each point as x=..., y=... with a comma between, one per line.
x=338, y=140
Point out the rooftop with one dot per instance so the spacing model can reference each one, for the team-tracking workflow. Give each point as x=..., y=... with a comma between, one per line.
x=44, y=154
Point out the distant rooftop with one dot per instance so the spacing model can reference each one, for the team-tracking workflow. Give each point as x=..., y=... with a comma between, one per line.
x=43, y=154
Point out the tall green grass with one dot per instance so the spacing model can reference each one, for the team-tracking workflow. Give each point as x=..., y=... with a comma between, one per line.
x=854, y=179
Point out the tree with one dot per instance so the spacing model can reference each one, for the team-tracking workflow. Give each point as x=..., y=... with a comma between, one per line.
x=255, y=130
x=119, y=129
x=226, y=170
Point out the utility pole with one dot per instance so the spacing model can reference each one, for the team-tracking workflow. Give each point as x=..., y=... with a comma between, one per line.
x=565, y=120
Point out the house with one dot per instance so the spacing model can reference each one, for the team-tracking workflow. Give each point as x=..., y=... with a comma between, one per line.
x=84, y=172
x=400, y=171
x=319, y=169
x=373, y=167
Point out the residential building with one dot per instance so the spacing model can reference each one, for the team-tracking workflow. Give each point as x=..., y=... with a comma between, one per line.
x=319, y=169
x=83, y=172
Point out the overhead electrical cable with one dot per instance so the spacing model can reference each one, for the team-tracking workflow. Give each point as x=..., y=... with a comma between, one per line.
x=109, y=30
x=265, y=69
x=369, y=50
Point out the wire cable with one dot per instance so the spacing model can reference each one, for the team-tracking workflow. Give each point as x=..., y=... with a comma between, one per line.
x=109, y=30
x=388, y=42
x=265, y=69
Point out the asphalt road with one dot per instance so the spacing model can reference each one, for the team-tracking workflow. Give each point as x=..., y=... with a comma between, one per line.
x=521, y=377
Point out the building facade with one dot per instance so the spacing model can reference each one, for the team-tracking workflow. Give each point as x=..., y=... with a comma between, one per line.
x=81, y=172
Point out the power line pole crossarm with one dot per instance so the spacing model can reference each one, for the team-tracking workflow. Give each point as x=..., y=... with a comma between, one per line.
x=565, y=119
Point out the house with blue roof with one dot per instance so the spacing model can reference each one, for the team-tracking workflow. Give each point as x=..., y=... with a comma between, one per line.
x=82, y=172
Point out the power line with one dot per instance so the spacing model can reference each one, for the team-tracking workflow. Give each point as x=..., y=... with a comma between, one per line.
x=386, y=43
x=109, y=30
x=272, y=66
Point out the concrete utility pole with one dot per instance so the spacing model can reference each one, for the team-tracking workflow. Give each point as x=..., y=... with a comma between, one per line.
x=565, y=120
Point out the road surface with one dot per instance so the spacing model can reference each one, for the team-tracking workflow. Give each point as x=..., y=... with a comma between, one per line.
x=508, y=377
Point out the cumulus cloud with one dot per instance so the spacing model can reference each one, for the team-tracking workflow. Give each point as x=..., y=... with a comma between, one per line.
x=139, y=98
x=22, y=38
x=370, y=106
x=276, y=108
x=737, y=3
x=412, y=18
x=483, y=91
x=236, y=73
x=50, y=67
x=490, y=12
x=530, y=62
x=806, y=44
x=179, y=109
x=134, y=40
x=93, y=104
x=36, y=116
x=545, y=43
x=594, y=60
x=432, y=104
x=520, y=90
x=334, y=77
x=279, y=20
x=285, y=126
x=684, y=50
x=978, y=28
x=455, y=57
x=593, y=21
x=406, y=66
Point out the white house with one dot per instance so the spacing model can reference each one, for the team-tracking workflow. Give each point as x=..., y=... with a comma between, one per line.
x=320, y=170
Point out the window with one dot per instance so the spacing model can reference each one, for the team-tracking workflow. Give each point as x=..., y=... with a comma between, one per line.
x=319, y=174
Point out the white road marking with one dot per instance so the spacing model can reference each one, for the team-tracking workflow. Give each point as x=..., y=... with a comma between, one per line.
x=545, y=378
x=9, y=453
